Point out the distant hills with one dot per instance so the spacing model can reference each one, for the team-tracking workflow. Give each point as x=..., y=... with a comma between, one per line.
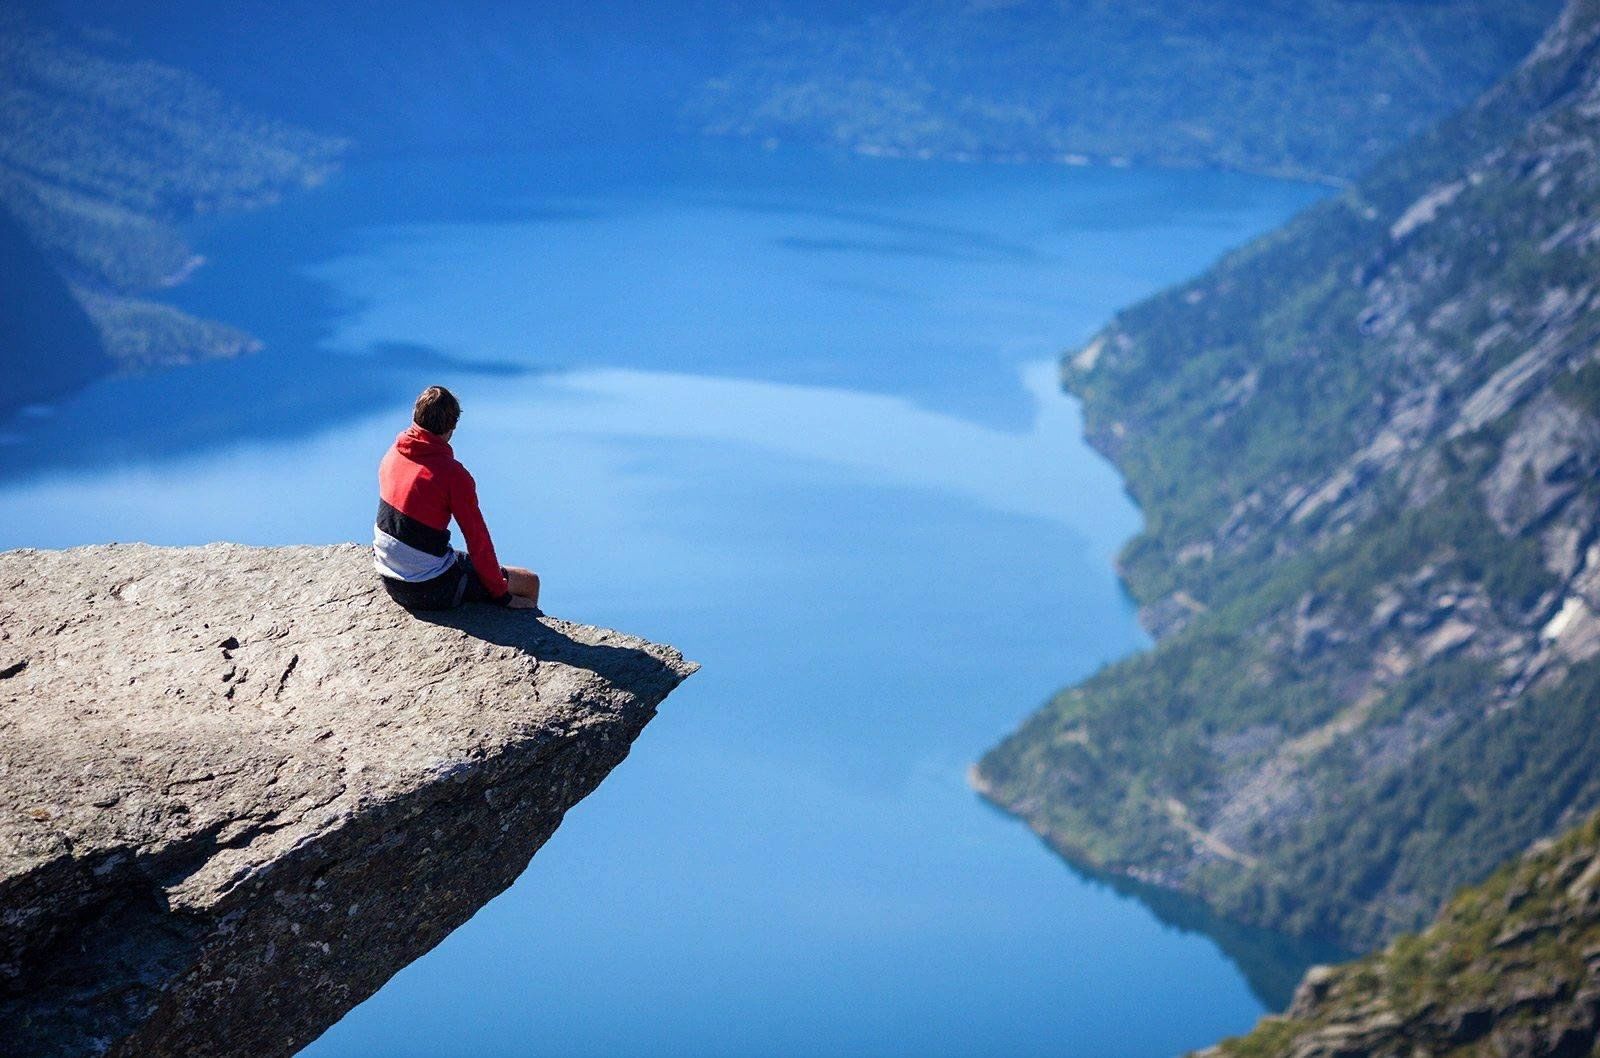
x=1368, y=451
x=1318, y=88
x=414, y=76
x=100, y=159
x=1299, y=87
x=106, y=147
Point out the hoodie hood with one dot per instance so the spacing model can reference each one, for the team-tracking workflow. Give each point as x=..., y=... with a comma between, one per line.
x=416, y=443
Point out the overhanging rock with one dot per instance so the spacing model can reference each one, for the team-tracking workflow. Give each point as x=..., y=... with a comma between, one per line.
x=240, y=788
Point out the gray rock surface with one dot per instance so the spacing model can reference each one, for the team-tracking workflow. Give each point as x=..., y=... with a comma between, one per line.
x=240, y=788
x=1546, y=460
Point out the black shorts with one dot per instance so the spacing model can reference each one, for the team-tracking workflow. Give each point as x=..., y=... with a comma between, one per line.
x=456, y=585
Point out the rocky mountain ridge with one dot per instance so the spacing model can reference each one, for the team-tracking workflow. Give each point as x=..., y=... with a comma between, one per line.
x=1366, y=447
x=240, y=788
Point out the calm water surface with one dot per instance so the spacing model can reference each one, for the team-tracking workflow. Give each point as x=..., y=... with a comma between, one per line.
x=797, y=415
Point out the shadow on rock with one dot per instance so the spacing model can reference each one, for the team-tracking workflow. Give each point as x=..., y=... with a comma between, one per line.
x=544, y=640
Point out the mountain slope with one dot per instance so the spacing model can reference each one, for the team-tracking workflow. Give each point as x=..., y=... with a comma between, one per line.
x=100, y=159
x=1301, y=86
x=51, y=346
x=1511, y=969
x=1366, y=449
x=1321, y=88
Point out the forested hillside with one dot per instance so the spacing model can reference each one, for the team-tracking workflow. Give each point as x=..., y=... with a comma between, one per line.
x=1305, y=87
x=103, y=153
x=1509, y=970
x=1366, y=448
x=100, y=158
x=1297, y=87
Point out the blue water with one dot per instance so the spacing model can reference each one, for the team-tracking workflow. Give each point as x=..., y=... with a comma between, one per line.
x=797, y=415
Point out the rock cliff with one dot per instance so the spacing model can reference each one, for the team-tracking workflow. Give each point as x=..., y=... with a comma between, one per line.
x=1511, y=970
x=240, y=788
x=1367, y=448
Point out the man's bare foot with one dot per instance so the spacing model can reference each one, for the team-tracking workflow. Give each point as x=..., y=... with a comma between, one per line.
x=519, y=603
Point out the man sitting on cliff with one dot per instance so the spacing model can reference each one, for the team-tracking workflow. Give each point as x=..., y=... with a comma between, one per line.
x=421, y=487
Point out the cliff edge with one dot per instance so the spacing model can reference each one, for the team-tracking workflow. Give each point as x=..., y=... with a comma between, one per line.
x=240, y=788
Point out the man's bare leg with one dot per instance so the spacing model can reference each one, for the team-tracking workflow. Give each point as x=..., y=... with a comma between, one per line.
x=524, y=586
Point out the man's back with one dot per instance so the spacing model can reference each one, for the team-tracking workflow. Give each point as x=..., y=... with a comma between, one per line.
x=415, y=486
x=421, y=486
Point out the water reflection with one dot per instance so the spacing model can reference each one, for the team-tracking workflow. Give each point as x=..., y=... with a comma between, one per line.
x=1271, y=962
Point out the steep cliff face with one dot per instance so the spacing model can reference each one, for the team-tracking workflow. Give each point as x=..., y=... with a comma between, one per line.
x=1367, y=450
x=1511, y=969
x=240, y=788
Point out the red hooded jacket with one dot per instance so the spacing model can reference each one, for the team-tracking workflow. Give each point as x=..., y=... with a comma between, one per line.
x=421, y=486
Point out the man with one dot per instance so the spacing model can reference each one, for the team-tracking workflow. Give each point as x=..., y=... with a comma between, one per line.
x=421, y=487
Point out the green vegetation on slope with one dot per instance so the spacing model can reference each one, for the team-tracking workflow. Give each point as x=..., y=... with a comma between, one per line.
x=100, y=158
x=1321, y=87
x=1367, y=449
x=1508, y=969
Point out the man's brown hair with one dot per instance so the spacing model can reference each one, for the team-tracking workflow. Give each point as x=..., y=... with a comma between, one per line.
x=437, y=410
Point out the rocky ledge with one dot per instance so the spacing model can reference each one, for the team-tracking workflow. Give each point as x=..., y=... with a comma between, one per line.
x=240, y=788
